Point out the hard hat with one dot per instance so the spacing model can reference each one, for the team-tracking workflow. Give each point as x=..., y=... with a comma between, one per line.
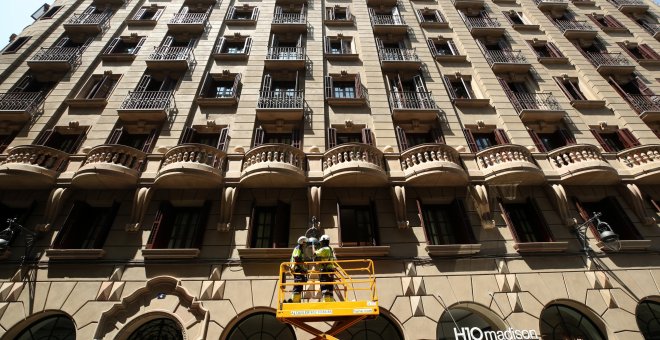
x=312, y=240
x=302, y=239
x=325, y=238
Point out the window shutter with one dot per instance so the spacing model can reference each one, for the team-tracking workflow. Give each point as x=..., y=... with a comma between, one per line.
x=420, y=87
x=267, y=83
x=139, y=45
x=68, y=237
x=432, y=48
x=258, y=137
x=374, y=224
x=501, y=136
x=247, y=45
x=332, y=137
x=340, y=241
x=562, y=87
x=582, y=211
x=461, y=218
x=255, y=13
x=62, y=42
x=358, y=86
x=295, y=138
x=450, y=87
x=567, y=136
x=5, y=140
x=328, y=87
x=204, y=91
x=327, y=45
x=595, y=21
x=508, y=18
x=612, y=22
x=420, y=15
x=618, y=88
x=202, y=224
x=626, y=136
x=236, y=85
x=329, y=13
x=642, y=87
x=43, y=137
x=105, y=228
x=111, y=46
x=220, y=44
x=76, y=144
x=537, y=140
x=438, y=16
x=507, y=221
x=115, y=136
x=22, y=84
x=223, y=139
x=648, y=52
x=149, y=143
x=230, y=13
x=437, y=135
x=167, y=42
x=422, y=223
x=281, y=227
x=86, y=44
x=540, y=220
x=139, y=13
x=601, y=141
x=157, y=237
x=143, y=83
x=509, y=93
x=188, y=135
x=184, y=10
x=472, y=144
x=379, y=45
x=367, y=136
x=484, y=14
x=401, y=138
x=103, y=91
x=554, y=51
x=156, y=16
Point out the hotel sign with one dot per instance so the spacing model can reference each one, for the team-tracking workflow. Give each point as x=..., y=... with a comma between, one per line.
x=475, y=333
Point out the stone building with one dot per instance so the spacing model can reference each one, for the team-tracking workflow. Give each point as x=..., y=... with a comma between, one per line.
x=163, y=156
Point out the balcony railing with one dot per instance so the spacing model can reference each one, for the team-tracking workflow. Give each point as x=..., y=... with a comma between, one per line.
x=69, y=55
x=607, y=59
x=286, y=53
x=38, y=155
x=572, y=25
x=398, y=54
x=418, y=156
x=173, y=54
x=148, y=100
x=190, y=18
x=290, y=18
x=643, y=103
x=353, y=152
x=412, y=100
x=479, y=22
x=538, y=2
x=120, y=155
x=290, y=99
x=195, y=153
x=505, y=57
x=627, y=2
x=21, y=101
x=275, y=153
x=542, y=101
x=653, y=29
x=503, y=155
x=639, y=157
x=90, y=19
x=387, y=20
x=573, y=155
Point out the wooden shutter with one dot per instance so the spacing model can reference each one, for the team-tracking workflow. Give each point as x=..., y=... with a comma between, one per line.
x=420, y=214
x=437, y=135
x=601, y=141
x=562, y=87
x=143, y=83
x=329, y=13
x=139, y=45
x=106, y=85
x=582, y=211
x=367, y=136
x=247, y=45
x=5, y=140
x=450, y=87
x=332, y=137
x=158, y=13
x=460, y=217
x=537, y=140
x=78, y=142
x=188, y=135
x=540, y=220
x=89, y=10
x=627, y=138
x=281, y=227
x=420, y=87
x=167, y=42
x=258, y=137
x=255, y=13
x=62, y=42
x=326, y=45
x=554, y=50
x=220, y=44
x=567, y=136
x=86, y=43
x=341, y=241
x=612, y=22
x=295, y=138
x=642, y=87
x=328, y=87
x=267, y=83
x=204, y=91
x=149, y=143
x=501, y=136
x=358, y=86
x=159, y=230
x=401, y=138
x=111, y=46
x=43, y=137
x=236, y=85
x=438, y=16
x=432, y=48
x=115, y=136
x=618, y=88
x=68, y=237
x=202, y=224
x=105, y=227
x=648, y=52
x=508, y=221
x=374, y=223
x=139, y=13
x=223, y=139
x=420, y=15
x=509, y=93
x=22, y=84
x=472, y=144
x=230, y=13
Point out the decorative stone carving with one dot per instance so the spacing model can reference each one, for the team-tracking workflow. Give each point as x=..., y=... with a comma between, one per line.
x=53, y=206
x=561, y=204
x=399, y=200
x=140, y=204
x=314, y=199
x=228, y=200
x=636, y=199
x=479, y=194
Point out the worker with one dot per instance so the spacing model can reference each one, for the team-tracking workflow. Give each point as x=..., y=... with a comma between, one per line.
x=299, y=268
x=326, y=254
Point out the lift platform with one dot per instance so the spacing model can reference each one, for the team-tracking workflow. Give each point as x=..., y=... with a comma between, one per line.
x=355, y=297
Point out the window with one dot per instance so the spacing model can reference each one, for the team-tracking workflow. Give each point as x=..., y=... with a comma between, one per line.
x=442, y=47
x=571, y=88
x=178, y=227
x=21, y=214
x=245, y=14
x=548, y=141
x=217, y=139
x=50, y=13
x=54, y=327
x=640, y=52
x=430, y=17
x=339, y=45
x=446, y=224
x=338, y=13
x=148, y=83
x=563, y=322
x=262, y=136
x=410, y=139
x=517, y=19
x=5, y=140
x=357, y=225
x=99, y=86
x=147, y=15
x=128, y=45
x=647, y=314
x=261, y=325
x=526, y=221
x=478, y=141
x=607, y=23
x=223, y=85
x=545, y=50
x=343, y=86
x=15, y=45
x=141, y=139
x=68, y=142
x=270, y=226
x=613, y=213
x=343, y=137
x=29, y=83
x=459, y=88
x=86, y=227
x=164, y=328
x=615, y=141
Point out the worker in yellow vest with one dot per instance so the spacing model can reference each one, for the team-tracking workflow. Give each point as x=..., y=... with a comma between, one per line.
x=325, y=253
x=299, y=268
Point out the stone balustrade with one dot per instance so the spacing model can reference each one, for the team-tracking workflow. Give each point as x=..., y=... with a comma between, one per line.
x=427, y=153
x=640, y=156
x=503, y=154
x=574, y=154
x=353, y=152
x=121, y=155
x=275, y=153
x=38, y=155
x=195, y=153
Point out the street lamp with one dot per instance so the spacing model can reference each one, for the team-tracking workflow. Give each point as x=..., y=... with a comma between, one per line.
x=7, y=237
x=609, y=238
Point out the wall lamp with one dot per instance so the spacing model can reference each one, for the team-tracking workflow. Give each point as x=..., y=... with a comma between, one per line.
x=609, y=238
x=7, y=237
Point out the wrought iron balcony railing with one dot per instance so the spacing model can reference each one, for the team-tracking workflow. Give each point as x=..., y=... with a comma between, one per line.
x=91, y=19
x=607, y=59
x=479, y=22
x=505, y=57
x=543, y=101
x=289, y=99
x=398, y=54
x=572, y=25
x=173, y=54
x=148, y=100
x=627, y=2
x=286, y=53
x=642, y=103
x=552, y=2
x=21, y=101
x=59, y=54
x=412, y=100
x=290, y=18
x=394, y=19
x=190, y=18
x=653, y=29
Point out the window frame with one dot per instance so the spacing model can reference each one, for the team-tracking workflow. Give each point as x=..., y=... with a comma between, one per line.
x=164, y=225
x=279, y=226
x=14, y=49
x=533, y=217
x=56, y=9
x=371, y=230
x=457, y=223
x=82, y=223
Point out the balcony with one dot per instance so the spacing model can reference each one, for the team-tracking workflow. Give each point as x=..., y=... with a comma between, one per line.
x=610, y=63
x=573, y=29
x=289, y=58
x=354, y=165
x=195, y=166
x=551, y=5
x=433, y=165
x=32, y=167
x=509, y=163
x=479, y=26
x=191, y=23
x=171, y=59
x=653, y=29
x=630, y=6
x=534, y=107
x=110, y=167
x=642, y=162
x=88, y=24
x=147, y=105
x=407, y=105
x=111, y=3
x=55, y=59
x=274, y=166
x=647, y=107
x=287, y=105
x=462, y=4
x=507, y=61
x=289, y=22
x=581, y=164
x=20, y=106
x=388, y=24
x=399, y=59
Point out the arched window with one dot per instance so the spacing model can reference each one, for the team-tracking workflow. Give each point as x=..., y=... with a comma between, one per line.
x=56, y=327
x=261, y=326
x=457, y=318
x=379, y=328
x=158, y=329
x=564, y=323
x=648, y=319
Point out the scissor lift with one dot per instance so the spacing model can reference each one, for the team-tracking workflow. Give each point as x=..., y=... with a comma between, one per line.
x=354, y=290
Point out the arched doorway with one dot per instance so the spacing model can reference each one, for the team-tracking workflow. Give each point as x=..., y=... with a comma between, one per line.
x=648, y=319
x=158, y=329
x=380, y=328
x=460, y=316
x=567, y=323
x=261, y=326
x=54, y=327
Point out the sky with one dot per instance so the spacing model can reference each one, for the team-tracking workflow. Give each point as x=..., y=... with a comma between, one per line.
x=15, y=15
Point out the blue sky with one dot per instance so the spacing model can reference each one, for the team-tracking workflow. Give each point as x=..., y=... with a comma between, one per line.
x=15, y=15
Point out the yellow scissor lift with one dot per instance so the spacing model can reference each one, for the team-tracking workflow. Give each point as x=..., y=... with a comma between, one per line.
x=355, y=297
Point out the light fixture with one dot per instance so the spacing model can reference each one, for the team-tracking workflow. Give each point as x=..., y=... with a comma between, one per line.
x=7, y=237
x=605, y=233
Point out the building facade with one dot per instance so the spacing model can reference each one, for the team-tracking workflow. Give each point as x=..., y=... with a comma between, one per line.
x=163, y=157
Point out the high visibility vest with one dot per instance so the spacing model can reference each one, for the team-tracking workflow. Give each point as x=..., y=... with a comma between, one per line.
x=326, y=254
x=298, y=258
